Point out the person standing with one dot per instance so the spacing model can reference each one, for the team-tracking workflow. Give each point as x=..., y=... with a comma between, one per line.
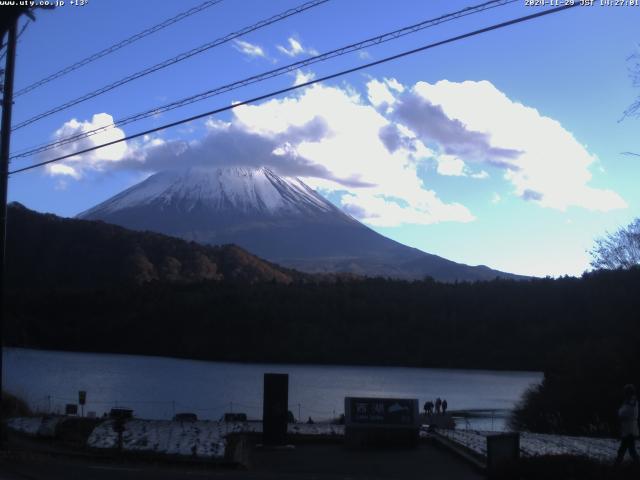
x=430, y=407
x=444, y=406
x=438, y=405
x=628, y=416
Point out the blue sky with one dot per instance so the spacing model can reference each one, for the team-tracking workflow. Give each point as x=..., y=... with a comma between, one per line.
x=504, y=149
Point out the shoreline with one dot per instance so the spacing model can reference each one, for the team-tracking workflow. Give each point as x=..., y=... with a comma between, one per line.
x=279, y=364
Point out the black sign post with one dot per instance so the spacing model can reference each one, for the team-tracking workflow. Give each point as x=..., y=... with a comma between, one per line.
x=275, y=408
x=82, y=400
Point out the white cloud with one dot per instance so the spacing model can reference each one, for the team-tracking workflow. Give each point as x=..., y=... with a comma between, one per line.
x=384, y=187
x=496, y=198
x=452, y=137
x=75, y=166
x=303, y=77
x=295, y=48
x=551, y=168
x=380, y=93
x=368, y=155
x=394, y=84
x=329, y=137
x=450, y=165
x=62, y=169
x=379, y=210
x=249, y=49
x=228, y=143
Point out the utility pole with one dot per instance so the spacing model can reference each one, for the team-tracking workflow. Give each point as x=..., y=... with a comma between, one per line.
x=8, y=25
x=5, y=138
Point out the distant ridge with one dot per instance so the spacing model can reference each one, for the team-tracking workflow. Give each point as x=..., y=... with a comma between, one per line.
x=47, y=251
x=277, y=218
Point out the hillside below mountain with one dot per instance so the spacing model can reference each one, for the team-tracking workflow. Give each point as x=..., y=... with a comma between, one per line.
x=46, y=251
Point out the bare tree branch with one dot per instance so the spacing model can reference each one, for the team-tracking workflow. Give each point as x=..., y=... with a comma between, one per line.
x=634, y=72
x=620, y=249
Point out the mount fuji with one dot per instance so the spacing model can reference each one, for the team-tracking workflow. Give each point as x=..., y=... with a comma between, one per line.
x=278, y=218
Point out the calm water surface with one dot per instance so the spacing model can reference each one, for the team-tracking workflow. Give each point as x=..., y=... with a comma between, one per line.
x=158, y=387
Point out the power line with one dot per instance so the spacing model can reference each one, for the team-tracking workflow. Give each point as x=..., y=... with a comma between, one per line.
x=305, y=84
x=269, y=74
x=118, y=46
x=171, y=61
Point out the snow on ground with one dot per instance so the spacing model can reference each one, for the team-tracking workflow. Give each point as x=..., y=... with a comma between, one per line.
x=207, y=439
x=323, y=429
x=201, y=439
x=36, y=426
x=26, y=425
x=534, y=444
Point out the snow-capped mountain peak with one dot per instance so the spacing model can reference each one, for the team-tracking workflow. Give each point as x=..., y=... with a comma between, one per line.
x=230, y=188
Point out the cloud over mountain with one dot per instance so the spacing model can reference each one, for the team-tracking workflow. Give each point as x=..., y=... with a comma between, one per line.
x=98, y=159
x=371, y=153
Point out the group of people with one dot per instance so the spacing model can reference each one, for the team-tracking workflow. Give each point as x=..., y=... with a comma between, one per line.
x=439, y=405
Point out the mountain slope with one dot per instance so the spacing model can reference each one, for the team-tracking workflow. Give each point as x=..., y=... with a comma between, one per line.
x=280, y=219
x=47, y=251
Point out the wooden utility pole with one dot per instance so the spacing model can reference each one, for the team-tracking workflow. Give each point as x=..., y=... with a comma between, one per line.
x=5, y=139
x=9, y=26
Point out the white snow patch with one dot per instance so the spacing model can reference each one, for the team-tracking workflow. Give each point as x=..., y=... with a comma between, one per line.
x=27, y=425
x=536, y=444
x=201, y=439
x=324, y=429
x=207, y=439
x=36, y=426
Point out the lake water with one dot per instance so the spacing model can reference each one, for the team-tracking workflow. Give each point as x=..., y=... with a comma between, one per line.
x=158, y=387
